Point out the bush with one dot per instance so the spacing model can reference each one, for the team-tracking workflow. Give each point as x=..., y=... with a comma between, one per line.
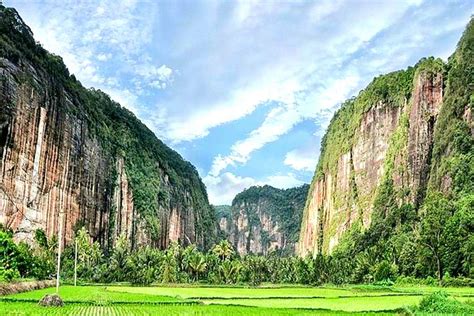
x=385, y=271
x=439, y=302
x=7, y=275
x=407, y=280
x=456, y=282
x=430, y=281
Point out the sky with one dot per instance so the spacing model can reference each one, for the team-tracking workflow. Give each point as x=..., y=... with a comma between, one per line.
x=244, y=90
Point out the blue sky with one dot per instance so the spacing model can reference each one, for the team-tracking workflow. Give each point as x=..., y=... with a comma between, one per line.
x=242, y=89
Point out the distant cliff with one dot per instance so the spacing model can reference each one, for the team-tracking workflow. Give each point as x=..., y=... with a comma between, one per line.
x=407, y=134
x=69, y=150
x=263, y=219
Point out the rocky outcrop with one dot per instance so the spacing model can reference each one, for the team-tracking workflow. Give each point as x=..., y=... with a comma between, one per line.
x=427, y=101
x=392, y=143
x=72, y=157
x=338, y=200
x=265, y=219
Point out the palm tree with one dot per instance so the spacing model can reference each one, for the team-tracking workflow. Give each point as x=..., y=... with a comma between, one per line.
x=223, y=250
x=118, y=260
x=229, y=270
x=197, y=264
x=169, y=268
x=187, y=255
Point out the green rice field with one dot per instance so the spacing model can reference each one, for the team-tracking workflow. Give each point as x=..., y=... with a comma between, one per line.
x=182, y=300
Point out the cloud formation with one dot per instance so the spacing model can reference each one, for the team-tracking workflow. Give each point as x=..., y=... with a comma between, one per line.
x=189, y=69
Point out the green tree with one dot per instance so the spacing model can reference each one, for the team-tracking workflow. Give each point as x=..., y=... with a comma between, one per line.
x=229, y=271
x=437, y=210
x=169, y=267
x=143, y=264
x=118, y=259
x=8, y=257
x=223, y=249
x=197, y=264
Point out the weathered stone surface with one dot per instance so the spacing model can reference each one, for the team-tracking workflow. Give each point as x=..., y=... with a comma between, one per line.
x=338, y=200
x=427, y=100
x=54, y=167
x=262, y=219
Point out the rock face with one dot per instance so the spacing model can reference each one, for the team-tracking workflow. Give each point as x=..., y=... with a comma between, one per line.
x=347, y=193
x=71, y=156
x=390, y=136
x=264, y=219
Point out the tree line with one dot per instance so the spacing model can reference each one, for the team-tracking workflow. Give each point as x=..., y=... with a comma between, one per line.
x=387, y=252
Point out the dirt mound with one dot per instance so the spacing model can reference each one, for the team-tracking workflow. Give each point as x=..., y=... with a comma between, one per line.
x=51, y=300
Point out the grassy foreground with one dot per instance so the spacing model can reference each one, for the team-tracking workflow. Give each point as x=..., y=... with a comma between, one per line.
x=126, y=300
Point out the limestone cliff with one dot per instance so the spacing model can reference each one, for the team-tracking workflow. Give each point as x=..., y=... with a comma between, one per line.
x=264, y=219
x=71, y=155
x=386, y=139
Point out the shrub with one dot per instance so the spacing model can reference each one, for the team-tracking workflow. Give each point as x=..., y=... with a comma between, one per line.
x=7, y=275
x=385, y=271
x=456, y=282
x=439, y=302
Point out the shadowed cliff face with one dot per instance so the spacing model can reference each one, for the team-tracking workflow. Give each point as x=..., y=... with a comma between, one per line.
x=72, y=155
x=264, y=219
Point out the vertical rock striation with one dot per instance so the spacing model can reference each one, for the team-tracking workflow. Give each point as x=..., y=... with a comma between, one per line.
x=264, y=219
x=344, y=195
x=71, y=154
x=409, y=132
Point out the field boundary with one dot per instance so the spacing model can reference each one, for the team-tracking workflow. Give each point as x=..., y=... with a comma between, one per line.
x=13, y=288
x=105, y=303
x=318, y=309
x=293, y=297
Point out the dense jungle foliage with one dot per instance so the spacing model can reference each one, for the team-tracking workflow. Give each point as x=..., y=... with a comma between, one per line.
x=120, y=133
x=220, y=265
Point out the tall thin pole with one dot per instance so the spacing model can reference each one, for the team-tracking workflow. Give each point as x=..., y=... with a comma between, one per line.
x=75, y=262
x=60, y=240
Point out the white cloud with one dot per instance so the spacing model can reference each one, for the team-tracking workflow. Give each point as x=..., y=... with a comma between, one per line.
x=156, y=77
x=281, y=120
x=278, y=122
x=322, y=9
x=103, y=57
x=285, y=181
x=109, y=32
x=223, y=189
x=209, y=63
x=268, y=61
x=300, y=161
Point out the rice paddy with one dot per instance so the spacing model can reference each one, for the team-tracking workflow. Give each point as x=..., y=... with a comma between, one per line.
x=187, y=300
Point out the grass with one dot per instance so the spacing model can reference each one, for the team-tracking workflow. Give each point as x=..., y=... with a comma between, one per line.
x=350, y=304
x=227, y=292
x=98, y=295
x=193, y=300
x=423, y=289
x=27, y=308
